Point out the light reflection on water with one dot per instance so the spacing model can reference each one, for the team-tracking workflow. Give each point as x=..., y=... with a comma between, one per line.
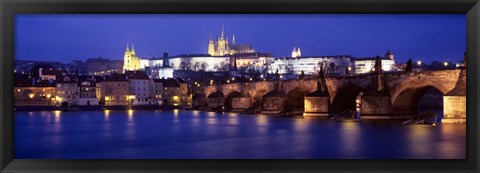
x=184, y=134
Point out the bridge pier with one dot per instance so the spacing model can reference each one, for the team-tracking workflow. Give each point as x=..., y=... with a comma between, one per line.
x=317, y=105
x=376, y=105
x=241, y=102
x=455, y=102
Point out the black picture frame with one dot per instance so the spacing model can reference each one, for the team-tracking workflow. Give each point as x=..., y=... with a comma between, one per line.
x=9, y=8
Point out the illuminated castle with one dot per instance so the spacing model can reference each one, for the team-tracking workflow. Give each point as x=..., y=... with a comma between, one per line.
x=296, y=53
x=221, y=47
x=130, y=61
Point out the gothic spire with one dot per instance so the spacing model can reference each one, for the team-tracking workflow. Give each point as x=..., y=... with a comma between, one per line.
x=233, y=39
x=223, y=33
x=127, y=48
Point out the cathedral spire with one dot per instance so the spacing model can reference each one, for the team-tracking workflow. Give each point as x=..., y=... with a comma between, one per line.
x=127, y=48
x=133, y=50
x=223, y=33
x=233, y=39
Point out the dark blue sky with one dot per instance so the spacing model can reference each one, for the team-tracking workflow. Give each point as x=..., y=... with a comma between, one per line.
x=78, y=37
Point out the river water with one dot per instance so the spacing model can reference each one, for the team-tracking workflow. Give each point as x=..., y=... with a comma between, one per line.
x=206, y=135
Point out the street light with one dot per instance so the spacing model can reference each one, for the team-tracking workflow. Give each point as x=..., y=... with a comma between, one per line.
x=419, y=63
x=445, y=64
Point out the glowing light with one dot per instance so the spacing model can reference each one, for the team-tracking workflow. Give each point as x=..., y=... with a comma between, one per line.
x=445, y=64
x=18, y=90
x=31, y=95
x=251, y=79
x=281, y=76
x=228, y=81
x=261, y=76
x=107, y=112
x=49, y=95
x=419, y=62
x=175, y=112
x=107, y=98
x=233, y=78
x=349, y=68
x=131, y=97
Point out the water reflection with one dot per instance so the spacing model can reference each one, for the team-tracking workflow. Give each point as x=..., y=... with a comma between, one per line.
x=262, y=120
x=350, y=135
x=107, y=115
x=57, y=116
x=130, y=115
x=185, y=134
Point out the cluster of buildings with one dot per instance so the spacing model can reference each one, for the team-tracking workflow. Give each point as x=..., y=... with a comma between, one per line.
x=152, y=81
x=225, y=56
x=133, y=88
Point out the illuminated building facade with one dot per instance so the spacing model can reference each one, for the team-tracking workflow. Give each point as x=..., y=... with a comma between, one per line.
x=114, y=91
x=67, y=90
x=367, y=64
x=87, y=87
x=50, y=74
x=175, y=92
x=140, y=86
x=222, y=47
x=248, y=59
x=157, y=90
x=31, y=92
x=200, y=62
x=310, y=65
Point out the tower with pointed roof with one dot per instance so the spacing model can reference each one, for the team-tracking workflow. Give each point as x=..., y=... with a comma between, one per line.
x=130, y=61
x=389, y=55
x=211, y=47
x=296, y=52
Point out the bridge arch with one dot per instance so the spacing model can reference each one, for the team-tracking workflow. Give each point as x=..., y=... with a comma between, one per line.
x=296, y=99
x=407, y=98
x=229, y=98
x=345, y=97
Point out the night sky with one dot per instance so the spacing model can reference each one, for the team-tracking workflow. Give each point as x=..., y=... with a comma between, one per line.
x=78, y=37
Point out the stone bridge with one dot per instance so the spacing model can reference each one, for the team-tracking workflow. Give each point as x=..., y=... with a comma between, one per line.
x=401, y=95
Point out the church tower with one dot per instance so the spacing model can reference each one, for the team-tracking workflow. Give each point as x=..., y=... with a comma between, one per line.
x=299, y=53
x=211, y=47
x=389, y=55
x=222, y=44
x=127, y=60
x=294, y=52
x=130, y=61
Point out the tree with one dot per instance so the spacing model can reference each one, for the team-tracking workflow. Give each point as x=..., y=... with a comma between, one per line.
x=182, y=65
x=203, y=66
